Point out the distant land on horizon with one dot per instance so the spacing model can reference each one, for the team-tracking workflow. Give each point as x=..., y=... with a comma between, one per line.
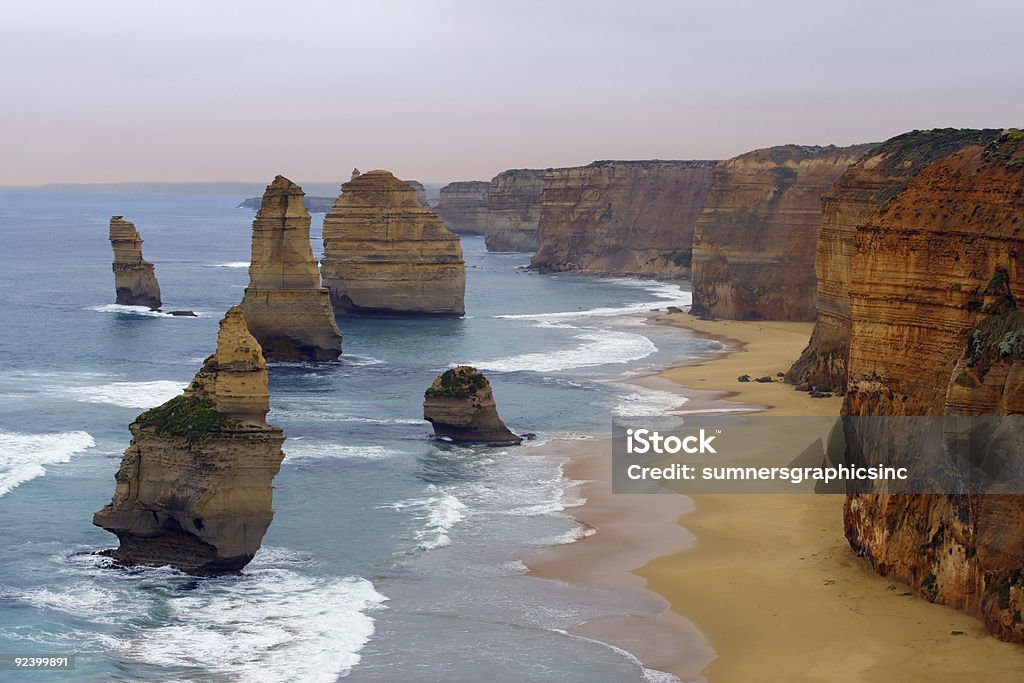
x=227, y=187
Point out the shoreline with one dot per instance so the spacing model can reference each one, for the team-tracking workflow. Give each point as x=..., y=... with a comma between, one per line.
x=755, y=587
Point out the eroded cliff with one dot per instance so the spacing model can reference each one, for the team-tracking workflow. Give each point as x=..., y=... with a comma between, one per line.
x=194, y=487
x=463, y=206
x=859, y=192
x=935, y=277
x=134, y=278
x=285, y=307
x=387, y=254
x=754, y=243
x=622, y=217
x=513, y=210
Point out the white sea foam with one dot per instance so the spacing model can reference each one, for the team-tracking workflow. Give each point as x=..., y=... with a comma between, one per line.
x=639, y=402
x=666, y=293
x=601, y=347
x=231, y=264
x=317, y=451
x=652, y=675
x=575, y=533
x=138, y=310
x=127, y=394
x=23, y=456
x=438, y=512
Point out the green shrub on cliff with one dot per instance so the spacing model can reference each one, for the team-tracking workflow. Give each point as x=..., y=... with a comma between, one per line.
x=461, y=382
x=188, y=415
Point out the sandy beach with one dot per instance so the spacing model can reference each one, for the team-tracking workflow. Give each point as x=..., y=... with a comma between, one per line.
x=758, y=587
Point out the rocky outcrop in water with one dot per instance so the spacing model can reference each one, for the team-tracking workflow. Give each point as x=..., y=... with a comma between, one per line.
x=386, y=254
x=754, y=243
x=134, y=277
x=285, y=307
x=460, y=406
x=935, y=330
x=622, y=217
x=194, y=487
x=463, y=206
x=513, y=210
x=860, y=191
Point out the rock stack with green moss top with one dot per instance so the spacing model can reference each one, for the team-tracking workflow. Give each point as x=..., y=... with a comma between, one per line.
x=194, y=487
x=460, y=406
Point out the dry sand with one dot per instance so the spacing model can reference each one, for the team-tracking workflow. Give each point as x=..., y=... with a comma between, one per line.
x=768, y=580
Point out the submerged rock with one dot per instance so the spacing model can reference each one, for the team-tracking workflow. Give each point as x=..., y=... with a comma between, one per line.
x=460, y=406
x=134, y=277
x=285, y=307
x=386, y=254
x=194, y=487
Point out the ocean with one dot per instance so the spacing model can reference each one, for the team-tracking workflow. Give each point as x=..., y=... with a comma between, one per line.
x=392, y=556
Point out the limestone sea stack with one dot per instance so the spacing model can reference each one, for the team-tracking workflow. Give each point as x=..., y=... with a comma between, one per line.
x=754, y=243
x=936, y=275
x=622, y=217
x=385, y=254
x=134, y=278
x=513, y=210
x=460, y=406
x=463, y=206
x=194, y=487
x=285, y=307
x=860, y=191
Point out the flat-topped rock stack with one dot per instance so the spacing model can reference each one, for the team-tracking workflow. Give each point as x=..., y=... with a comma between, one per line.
x=386, y=254
x=134, y=277
x=285, y=307
x=460, y=406
x=194, y=487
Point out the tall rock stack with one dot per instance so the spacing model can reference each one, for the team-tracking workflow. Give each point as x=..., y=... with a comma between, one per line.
x=513, y=210
x=194, y=487
x=460, y=406
x=134, y=278
x=622, y=217
x=936, y=275
x=754, y=243
x=859, y=192
x=285, y=307
x=463, y=206
x=386, y=254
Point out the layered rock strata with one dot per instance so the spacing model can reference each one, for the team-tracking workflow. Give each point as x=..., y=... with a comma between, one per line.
x=134, y=277
x=421, y=192
x=754, y=243
x=386, y=254
x=859, y=192
x=285, y=307
x=513, y=210
x=194, y=487
x=935, y=330
x=460, y=406
x=463, y=206
x=622, y=217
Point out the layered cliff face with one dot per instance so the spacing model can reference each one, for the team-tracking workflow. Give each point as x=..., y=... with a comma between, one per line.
x=463, y=206
x=859, y=192
x=287, y=310
x=194, y=487
x=386, y=254
x=513, y=210
x=754, y=244
x=460, y=406
x=134, y=278
x=935, y=277
x=421, y=192
x=623, y=217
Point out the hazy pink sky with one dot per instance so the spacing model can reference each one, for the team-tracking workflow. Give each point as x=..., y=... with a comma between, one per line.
x=215, y=90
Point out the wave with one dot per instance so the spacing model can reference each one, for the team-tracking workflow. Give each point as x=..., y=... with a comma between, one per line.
x=639, y=402
x=439, y=513
x=23, y=456
x=231, y=264
x=139, y=310
x=127, y=394
x=602, y=347
x=316, y=451
x=652, y=675
x=666, y=293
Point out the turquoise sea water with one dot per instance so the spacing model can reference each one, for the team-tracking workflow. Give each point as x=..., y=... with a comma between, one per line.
x=392, y=556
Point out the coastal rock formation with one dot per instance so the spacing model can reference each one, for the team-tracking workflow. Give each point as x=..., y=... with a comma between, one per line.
x=194, y=487
x=421, y=192
x=935, y=330
x=859, y=192
x=386, y=254
x=460, y=406
x=463, y=206
x=622, y=217
x=134, y=278
x=754, y=244
x=285, y=307
x=513, y=210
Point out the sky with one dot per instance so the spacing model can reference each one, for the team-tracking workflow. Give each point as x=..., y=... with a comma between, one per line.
x=439, y=90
